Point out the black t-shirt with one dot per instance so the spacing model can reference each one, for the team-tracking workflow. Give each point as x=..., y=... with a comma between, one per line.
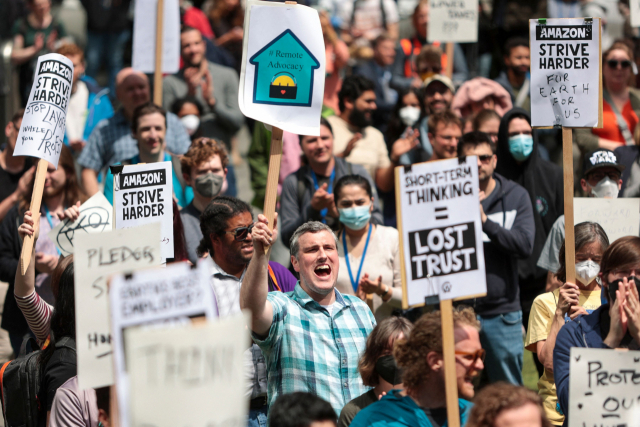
x=61, y=367
x=9, y=181
x=437, y=416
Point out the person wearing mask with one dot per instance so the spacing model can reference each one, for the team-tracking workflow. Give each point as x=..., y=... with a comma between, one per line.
x=508, y=234
x=552, y=310
x=445, y=131
x=438, y=94
x=515, y=79
x=487, y=121
x=613, y=325
x=307, y=194
x=601, y=178
x=478, y=94
x=189, y=111
x=369, y=254
x=408, y=116
x=302, y=409
x=377, y=366
x=422, y=403
x=112, y=141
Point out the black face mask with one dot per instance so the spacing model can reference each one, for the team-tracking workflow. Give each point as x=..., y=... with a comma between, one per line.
x=388, y=370
x=613, y=287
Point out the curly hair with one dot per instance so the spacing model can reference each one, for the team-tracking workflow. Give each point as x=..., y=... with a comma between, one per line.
x=201, y=150
x=498, y=397
x=215, y=217
x=426, y=336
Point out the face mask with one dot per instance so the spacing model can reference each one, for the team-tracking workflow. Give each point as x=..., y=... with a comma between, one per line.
x=409, y=115
x=209, y=185
x=521, y=146
x=586, y=271
x=355, y=218
x=191, y=123
x=388, y=370
x=605, y=189
x=613, y=287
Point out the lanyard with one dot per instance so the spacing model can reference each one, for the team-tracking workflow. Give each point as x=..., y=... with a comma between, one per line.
x=354, y=283
x=324, y=211
x=50, y=221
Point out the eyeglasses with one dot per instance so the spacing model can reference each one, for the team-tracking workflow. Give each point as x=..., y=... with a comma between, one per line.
x=613, y=63
x=484, y=158
x=599, y=176
x=473, y=356
x=240, y=234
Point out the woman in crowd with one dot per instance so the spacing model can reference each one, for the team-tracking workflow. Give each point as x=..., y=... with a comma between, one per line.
x=487, y=121
x=368, y=253
x=407, y=116
x=377, y=366
x=551, y=310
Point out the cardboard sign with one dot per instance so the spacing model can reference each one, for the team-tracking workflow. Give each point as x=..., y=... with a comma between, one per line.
x=604, y=388
x=283, y=66
x=453, y=21
x=440, y=230
x=618, y=217
x=96, y=259
x=177, y=292
x=142, y=194
x=566, y=73
x=144, y=36
x=42, y=130
x=95, y=217
x=188, y=375
x=634, y=9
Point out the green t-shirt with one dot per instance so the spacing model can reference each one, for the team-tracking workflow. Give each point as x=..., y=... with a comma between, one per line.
x=23, y=27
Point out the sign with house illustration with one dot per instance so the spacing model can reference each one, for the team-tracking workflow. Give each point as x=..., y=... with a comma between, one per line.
x=283, y=66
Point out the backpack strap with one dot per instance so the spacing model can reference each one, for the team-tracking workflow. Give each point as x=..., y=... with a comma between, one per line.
x=622, y=123
x=2, y=382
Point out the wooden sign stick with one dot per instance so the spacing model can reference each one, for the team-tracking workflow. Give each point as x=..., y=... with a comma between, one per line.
x=567, y=168
x=448, y=354
x=157, y=74
x=275, y=157
x=449, y=52
x=36, y=200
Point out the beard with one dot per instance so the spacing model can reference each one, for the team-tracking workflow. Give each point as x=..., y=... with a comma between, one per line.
x=518, y=71
x=359, y=119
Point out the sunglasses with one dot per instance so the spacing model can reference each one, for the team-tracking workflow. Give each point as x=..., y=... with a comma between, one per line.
x=613, y=63
x=484, y=158
x=240, y=234
x=474, y=356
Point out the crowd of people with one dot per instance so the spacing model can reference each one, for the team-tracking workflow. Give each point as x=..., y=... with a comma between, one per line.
x=332, y=344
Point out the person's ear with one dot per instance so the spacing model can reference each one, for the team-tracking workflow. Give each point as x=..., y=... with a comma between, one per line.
x=295, y=264
x=620, y=184
x=349, y=104
x=225, y=172
x=371, y=205
x=431, y=136
x=585, y=186
x=187, y=179
x=8, y=129
x=435, y=361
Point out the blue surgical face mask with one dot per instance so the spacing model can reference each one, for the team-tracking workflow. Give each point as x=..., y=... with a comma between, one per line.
x=355, y=218
x=521, y=146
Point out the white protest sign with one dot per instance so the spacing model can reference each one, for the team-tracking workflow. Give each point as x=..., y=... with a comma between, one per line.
x=95, y=217
x=144, y=36
x=618, y=217
x=153, y=296
x=565, y=72
x=453, y=21
x=604, y=388
x=634, y=9
x=441, y=231
x=95, y=259
x=143, y=194
x=190, y=375
x=283, y=66
x=43, y=124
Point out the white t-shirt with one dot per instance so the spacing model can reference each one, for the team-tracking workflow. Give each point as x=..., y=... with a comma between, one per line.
x=329, y=308
x=77, y=113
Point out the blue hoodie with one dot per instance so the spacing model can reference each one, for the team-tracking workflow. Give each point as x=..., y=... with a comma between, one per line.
x=98, y=107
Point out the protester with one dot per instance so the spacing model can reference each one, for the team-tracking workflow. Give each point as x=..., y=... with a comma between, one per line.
x=487, y=121
x=551, y=310
x=337, y=57
x=73, y=407
x=508, y=227
x=189, y=110
x=423, y=401
x=369, y=255
x=362, y=21
x=515, y=79
x=478, y=94
x=111, y=141
x=301, y=409
x=377, y=366
x=445, y=131
x=409, y=115
x=613, y=325
x=227, y=19
x=204, y=168
x=428, y=63
x=312, y=337
x=438, y=94
x=506, y=405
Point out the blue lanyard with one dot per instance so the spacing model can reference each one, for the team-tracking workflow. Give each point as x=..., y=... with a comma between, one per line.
x=50, y=221
x=354, y=283
x=324, y=211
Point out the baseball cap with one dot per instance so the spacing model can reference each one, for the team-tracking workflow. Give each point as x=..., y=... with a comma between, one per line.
x=442, y=79
x=600, y=158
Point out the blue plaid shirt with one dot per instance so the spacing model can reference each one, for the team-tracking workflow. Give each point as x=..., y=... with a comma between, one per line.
x=111, y=141
x=307, y=349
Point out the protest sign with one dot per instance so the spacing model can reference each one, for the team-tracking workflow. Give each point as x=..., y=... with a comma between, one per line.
x=189, y=375
x=604, y=388
x=177, y=292
x=142, y=194
x=440, y=230
x=634, y=10
x=95, y=260
x=95, y=217
x=283, y=66
x=144, y=36
x=618, y=217
x=566, y=72
x=453, y=21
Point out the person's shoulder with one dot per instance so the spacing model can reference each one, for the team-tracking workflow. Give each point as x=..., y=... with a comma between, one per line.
x=386, y=412
x=373, y=133
x=547, y=168
x=546, y=299
x=336, y=120
x=508, y=186
x=217, y=69
x=388, y=232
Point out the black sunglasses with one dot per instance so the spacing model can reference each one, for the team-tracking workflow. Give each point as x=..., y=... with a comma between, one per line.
x=484, y=158
x=613, y=63
x=240, y=234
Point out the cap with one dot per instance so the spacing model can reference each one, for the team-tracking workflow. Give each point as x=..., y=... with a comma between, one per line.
x=442, y=79
x=600, y=158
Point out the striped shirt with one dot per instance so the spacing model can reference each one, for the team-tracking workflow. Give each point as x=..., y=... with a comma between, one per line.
x=38, y=315
x=309, y=349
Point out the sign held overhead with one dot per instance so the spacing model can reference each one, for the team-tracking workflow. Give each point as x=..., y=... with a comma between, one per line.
x=453, y=21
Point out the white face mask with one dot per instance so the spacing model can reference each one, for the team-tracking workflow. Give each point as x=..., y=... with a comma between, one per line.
x=586, y=271
x=409, y=115
x=605, y=189
x=191, y=123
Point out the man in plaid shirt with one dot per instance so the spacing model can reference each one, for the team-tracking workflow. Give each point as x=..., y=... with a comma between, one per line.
x=312, y=337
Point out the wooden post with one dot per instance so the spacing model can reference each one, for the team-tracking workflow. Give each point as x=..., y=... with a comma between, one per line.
x=157, y=74
x=448, y=354
x=36, y=200
x=569, y=239
x=449, y=51
x=271, y=194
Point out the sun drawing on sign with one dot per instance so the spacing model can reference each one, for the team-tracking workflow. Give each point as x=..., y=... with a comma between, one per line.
x=283, y=85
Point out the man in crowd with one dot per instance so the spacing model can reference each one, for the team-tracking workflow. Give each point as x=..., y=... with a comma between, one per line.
x=438, y=94
x=111, y=141
x=508, y=234
x=422, y=403
x=445, y=130
x=515, y=78
x=301, y=409
x=312, y=338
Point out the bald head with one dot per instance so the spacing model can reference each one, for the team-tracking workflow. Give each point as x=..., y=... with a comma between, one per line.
x=132, y=89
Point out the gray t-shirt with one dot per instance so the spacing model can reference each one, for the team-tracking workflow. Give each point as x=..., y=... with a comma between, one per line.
x=549, y=255
x=352, y=408
x=190, y=217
